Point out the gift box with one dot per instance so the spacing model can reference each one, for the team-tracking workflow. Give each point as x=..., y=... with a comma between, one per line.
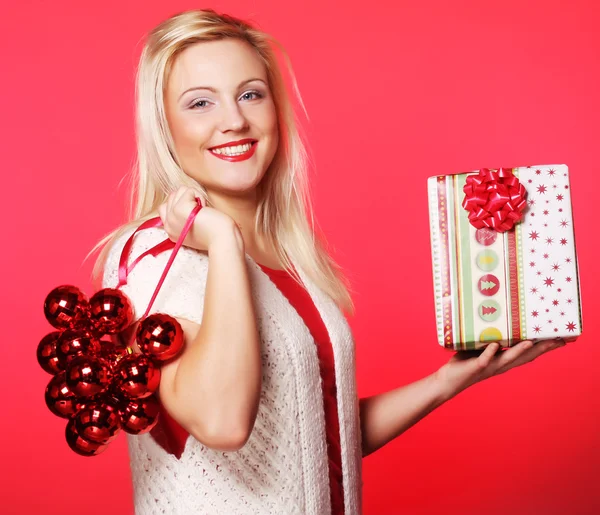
x=504, y=259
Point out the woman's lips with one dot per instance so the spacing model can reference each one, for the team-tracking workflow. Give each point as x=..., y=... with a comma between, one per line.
x=240, y=157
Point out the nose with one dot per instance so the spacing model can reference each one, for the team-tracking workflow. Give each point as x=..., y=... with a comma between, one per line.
x=233, y=118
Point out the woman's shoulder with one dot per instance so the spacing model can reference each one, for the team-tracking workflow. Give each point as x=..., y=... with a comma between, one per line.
x=181, y=293
x=144, y=239
x=151, y=242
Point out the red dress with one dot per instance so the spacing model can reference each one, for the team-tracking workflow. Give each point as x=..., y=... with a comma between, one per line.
x=172, y=437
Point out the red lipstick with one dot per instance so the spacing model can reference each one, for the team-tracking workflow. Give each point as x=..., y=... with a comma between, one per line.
x=241, y=157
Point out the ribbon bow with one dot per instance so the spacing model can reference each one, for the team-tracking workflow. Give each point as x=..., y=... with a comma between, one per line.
x=494, y=199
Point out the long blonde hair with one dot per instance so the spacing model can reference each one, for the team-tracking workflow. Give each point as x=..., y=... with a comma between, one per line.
x=284, y=207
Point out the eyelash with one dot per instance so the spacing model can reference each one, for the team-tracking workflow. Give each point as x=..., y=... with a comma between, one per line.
x=257, y=93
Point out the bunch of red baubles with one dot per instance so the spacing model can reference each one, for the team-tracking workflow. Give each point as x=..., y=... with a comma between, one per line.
x=100, y=385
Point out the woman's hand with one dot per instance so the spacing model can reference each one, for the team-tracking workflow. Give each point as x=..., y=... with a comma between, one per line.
x=209, y=225
x=466, y=368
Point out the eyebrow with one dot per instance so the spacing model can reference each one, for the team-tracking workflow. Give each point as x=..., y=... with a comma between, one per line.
x=209, y=88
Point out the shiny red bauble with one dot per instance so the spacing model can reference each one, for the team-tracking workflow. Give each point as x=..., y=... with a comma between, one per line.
x=73, y=343
x=110, y=311
x=46, y=353
x=160, y=336
x=88, y=376
x=60, y=399
x=113, y=351
x=139, y=416
x=98, y=421
x=82, y=445
x=101, y=386
x=66, y=307
x=136, y=377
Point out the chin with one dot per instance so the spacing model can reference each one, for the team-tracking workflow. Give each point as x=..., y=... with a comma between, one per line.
x=236, y=188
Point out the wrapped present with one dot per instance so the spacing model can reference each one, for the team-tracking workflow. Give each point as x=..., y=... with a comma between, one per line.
x=504, y=262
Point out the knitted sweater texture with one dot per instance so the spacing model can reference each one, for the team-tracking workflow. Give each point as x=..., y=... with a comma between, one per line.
x=283, y=467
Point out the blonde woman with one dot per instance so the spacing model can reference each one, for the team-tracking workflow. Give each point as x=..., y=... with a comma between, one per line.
x=260, y=412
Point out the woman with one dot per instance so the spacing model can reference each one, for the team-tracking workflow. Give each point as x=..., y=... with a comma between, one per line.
x=260, y=412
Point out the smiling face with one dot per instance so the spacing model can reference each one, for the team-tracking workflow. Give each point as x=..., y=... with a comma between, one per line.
x=222, y=116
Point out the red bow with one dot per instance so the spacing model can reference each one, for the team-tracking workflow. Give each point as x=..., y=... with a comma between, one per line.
x=494, y=199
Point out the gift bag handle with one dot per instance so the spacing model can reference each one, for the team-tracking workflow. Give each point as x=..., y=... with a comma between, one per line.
x=167, y=244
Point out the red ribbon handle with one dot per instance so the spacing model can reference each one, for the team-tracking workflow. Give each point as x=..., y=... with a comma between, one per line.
x=167, y=244
x=125, y=270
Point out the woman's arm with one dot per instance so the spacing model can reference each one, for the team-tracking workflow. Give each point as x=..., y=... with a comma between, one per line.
x=387, y=415
x=213, y=388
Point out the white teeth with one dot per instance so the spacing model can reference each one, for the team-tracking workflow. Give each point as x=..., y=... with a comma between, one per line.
x=235, y=150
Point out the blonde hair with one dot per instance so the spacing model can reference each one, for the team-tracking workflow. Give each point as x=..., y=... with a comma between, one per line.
x=284, y=207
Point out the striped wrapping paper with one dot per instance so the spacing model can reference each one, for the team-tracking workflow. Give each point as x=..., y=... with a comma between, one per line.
x=505, y=286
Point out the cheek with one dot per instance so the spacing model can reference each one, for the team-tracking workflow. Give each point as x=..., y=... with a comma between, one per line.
x=190, y=134
x=272, y=120
x=270, y=126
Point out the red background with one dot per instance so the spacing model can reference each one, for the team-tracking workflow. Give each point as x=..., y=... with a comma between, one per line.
x=396, y=92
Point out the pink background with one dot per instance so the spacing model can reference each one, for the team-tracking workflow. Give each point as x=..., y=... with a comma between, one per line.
x=396, y=91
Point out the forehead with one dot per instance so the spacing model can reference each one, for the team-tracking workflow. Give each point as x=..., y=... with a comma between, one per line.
x=219, y=64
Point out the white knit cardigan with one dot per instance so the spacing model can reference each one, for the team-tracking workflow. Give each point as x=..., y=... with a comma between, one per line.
x=283, y=467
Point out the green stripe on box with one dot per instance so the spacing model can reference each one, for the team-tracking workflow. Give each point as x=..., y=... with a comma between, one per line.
x=465, y=245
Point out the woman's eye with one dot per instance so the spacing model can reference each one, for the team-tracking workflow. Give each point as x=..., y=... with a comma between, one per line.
x=251, y=95
x=203, y=103
x=200, y=104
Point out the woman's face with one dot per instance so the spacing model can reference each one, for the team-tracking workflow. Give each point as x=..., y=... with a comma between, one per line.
x=222, y=116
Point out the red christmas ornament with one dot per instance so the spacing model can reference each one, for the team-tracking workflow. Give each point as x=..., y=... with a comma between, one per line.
x=66, y=307
x=60, y=399
x=136, y=377
x=139, y=416
x=113, y=352
x=73, y=343
x=98, y=421
x=46, y=353
x=82, y=445
x=160, y=336
x=110, y=311
x=88, y=376
x=87, y=391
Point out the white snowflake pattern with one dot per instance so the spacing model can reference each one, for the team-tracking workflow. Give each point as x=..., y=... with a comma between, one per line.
x=550, y=280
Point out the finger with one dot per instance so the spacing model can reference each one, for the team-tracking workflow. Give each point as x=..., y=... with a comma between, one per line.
x=488, y=354
x=197, y=193
x=531, y=354
x=170, y=202
x=187, y=195
x=181, y=192
x=162, y=212
x=524, y=352
x=548, y=345
x=516, y=350
x=193, y=196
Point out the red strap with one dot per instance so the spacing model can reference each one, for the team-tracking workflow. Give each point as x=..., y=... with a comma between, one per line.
x=167, y=244
x=124, y=270
x=155, y=251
